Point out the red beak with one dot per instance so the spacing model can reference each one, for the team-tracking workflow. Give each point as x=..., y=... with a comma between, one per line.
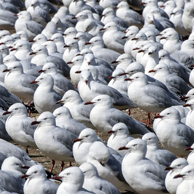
x=35, y=122
x=123, y=148
x=6, y=113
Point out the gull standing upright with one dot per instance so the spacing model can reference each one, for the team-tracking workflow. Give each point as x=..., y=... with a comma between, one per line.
x=18, y=126
x=76, y=106
x=45, y=97
x=119, y=138
x=108, y=116
x=113, y=37
x=173, y=135
x=155, y=153
x=53, y=141
x=61, y=83
x=82, y=144
x=17, y=82
x=135, y=163
x=64, y=120
x=130, y=16
x=89, y=88
x=25, y=22
x=150, y=98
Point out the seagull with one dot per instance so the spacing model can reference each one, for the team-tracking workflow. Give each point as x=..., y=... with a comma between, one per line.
x=186, y=186
x=174, y=169
x=65, y=120
x=89, y=88
x=113, y=37
x=38, y=14
x=93, y=182
x=53, y=141
x=108, y=167
x=130, y=16
x=45, y=97
x=18, y=126
x=173, y=135
x=82, y=144
x=119, y=137
x=97, y=46
x=41, y=56
x=9, y=149
x=155, y=98
x=187, y=17
x=37, y=181
x=109, y=15
x=173, y=82
x=17, y=82
x=25, y=22
x=155, y=153
x=108, y=115
x=61, y=83
x=72, y=181
x=76, y=106
x=135, y=163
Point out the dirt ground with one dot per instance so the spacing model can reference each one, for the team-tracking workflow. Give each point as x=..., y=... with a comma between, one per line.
x=36, y=154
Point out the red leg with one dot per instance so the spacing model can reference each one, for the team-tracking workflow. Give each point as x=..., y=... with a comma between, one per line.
x=62, y=165
x=27, y=150
x=148, y=119
x=53, y=164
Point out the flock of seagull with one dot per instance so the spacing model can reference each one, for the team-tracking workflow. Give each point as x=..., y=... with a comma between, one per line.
x=82, y=65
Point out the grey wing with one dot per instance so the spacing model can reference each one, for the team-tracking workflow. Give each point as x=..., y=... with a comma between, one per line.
x=8, y=16
x=26, y=80
x=8, y=97
x=61, y=65
x=160, y=97
x=50, y=187
x=165, y=157
x=45, y=15
x=187, y=134
x=134, y=126
x=108, y=188
x=178, y=85
x=56, y=96
x=34, y=27
x=119, y=36
x=65, y=137
x=104, y=89
x=29, y=129
x=154, y=172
